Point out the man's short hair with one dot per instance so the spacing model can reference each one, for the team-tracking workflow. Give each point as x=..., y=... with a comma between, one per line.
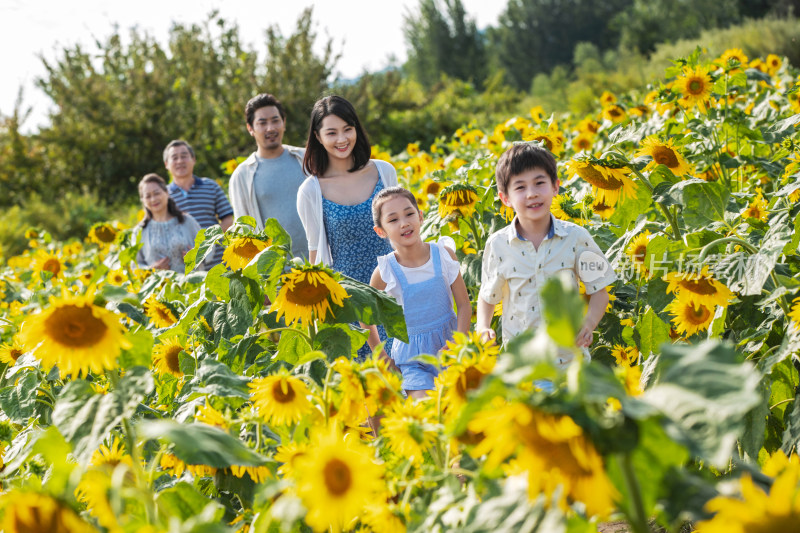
x=259, y=101
x=523, y=157
x=178, y=142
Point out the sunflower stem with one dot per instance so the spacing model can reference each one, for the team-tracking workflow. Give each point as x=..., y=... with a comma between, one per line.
x=638, y=518
x=673, y=220
x=475, y=234
x=325, y=406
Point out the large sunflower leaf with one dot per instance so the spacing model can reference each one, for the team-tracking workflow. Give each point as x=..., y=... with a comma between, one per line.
x=705, y=391
x=370, y=306
x=650, y=332
x=201, y=444
x=703, y=202
x=563, y=310
x=86, y=418
x=183, y=501
x=18, y=401
x=219, y=380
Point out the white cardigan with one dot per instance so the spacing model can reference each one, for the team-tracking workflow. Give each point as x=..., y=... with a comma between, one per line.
x=309, y=207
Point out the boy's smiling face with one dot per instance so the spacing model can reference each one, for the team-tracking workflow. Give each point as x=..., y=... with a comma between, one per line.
x=530, y=194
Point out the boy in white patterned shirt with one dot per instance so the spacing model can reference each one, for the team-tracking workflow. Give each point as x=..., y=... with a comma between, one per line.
x=519, y=258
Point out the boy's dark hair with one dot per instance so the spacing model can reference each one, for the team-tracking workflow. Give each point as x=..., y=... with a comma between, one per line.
x=315, y=162
x=172, y=207
x=384, y=196
x=259, y=101
x=178, y=142
x=523, y=157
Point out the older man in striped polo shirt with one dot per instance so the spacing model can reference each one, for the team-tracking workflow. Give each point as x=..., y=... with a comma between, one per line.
x=200, y=197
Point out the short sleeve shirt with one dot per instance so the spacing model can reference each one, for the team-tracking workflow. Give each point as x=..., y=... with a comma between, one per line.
x=514, y=271
x=206, y=202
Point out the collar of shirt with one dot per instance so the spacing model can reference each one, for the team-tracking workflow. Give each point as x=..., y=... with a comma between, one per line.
x=556, y=228
x=174, y=187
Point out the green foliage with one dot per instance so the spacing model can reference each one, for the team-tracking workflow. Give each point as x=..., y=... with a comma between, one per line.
x=117, y=106
x=68, y=216
x=441, y=39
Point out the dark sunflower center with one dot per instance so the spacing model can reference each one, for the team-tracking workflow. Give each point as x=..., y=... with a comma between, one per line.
x=698, y=315
x=699, y=286
x=172, y=360
x=304, y=293
x=459, y=199
x=614, y=112
x=665, y=156
x=639, y=253
x=598, y=179
x=246, y=250
x=338, y=477
x=280, y=395
x=15, y=353
x=52, y=265
x=547, y=142
x=695, y=87
x=433, y=188
x=75, y=327
x=105, y=234
x=470, y=379
x=583, y=143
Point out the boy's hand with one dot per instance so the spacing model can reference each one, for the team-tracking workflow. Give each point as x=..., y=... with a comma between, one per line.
x=585, y=337
x=487, y=334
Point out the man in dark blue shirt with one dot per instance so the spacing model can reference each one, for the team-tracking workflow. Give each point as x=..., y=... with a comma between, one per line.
x=200, y=197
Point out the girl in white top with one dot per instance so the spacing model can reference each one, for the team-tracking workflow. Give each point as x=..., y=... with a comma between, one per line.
x=425, y=279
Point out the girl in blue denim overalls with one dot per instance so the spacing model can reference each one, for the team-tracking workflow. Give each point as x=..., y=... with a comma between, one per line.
x=424, y=278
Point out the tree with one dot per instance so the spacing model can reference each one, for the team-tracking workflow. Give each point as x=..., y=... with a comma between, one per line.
x=117, y=107
x=442, y=39
x=533, y=36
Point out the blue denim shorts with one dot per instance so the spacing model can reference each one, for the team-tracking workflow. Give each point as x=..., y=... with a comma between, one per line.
x=418, y=376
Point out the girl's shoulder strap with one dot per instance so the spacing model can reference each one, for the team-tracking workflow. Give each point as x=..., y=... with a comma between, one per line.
x=398, y=271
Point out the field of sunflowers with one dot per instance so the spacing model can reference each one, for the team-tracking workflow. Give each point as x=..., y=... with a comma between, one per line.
x=141, y=401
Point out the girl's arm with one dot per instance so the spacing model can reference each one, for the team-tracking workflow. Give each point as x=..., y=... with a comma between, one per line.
x=598, y=302
x=461, y=298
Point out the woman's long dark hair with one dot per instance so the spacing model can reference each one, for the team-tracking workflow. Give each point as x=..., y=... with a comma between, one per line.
x=172, y=207
x=315, y=162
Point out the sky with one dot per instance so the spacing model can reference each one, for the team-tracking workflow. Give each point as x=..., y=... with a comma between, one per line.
x=367, y=32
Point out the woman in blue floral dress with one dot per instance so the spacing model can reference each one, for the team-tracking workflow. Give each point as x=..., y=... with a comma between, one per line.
x=335, y=201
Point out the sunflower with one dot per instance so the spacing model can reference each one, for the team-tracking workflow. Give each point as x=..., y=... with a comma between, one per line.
x=458, y=198
x=614, y=113
x=632, y=378
x=337, y=481
x=172, y=465
x=409, y=429
x=281, y=399
x=607, y=98
x=775, y=511
x=288, y=454
x=537, y=114
x=75, y=335
x=637, y=250
x=609, y=180
x=307, y=293
x=794, y=313
x=773, y=64
x=690, y=318
x=383, y=517
x=166, y=357
x=33, y=512
x=695, y=86
x=9, y=353
x=639, y=111
x=732, y=56
x=208, y=415
x=242, y=250
x=351, y=404
x=258, y=474
x=47, y=262
x=698, y=288
x=588, y=125
x=664, y=153
x=507, y=212
x=625, y=355
x=602, y=209
x=564, y=207
x=432, y=187
x=412, y=149
x=460, y=378
x=583, y=142
x=757, y=209
x=93, y=491
x=103, y=234
x=383, y=388
x=552, y=449
x=158, y=312
x=548, y=139
x=230, y=165
x=112, y=455
x=116, y=277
